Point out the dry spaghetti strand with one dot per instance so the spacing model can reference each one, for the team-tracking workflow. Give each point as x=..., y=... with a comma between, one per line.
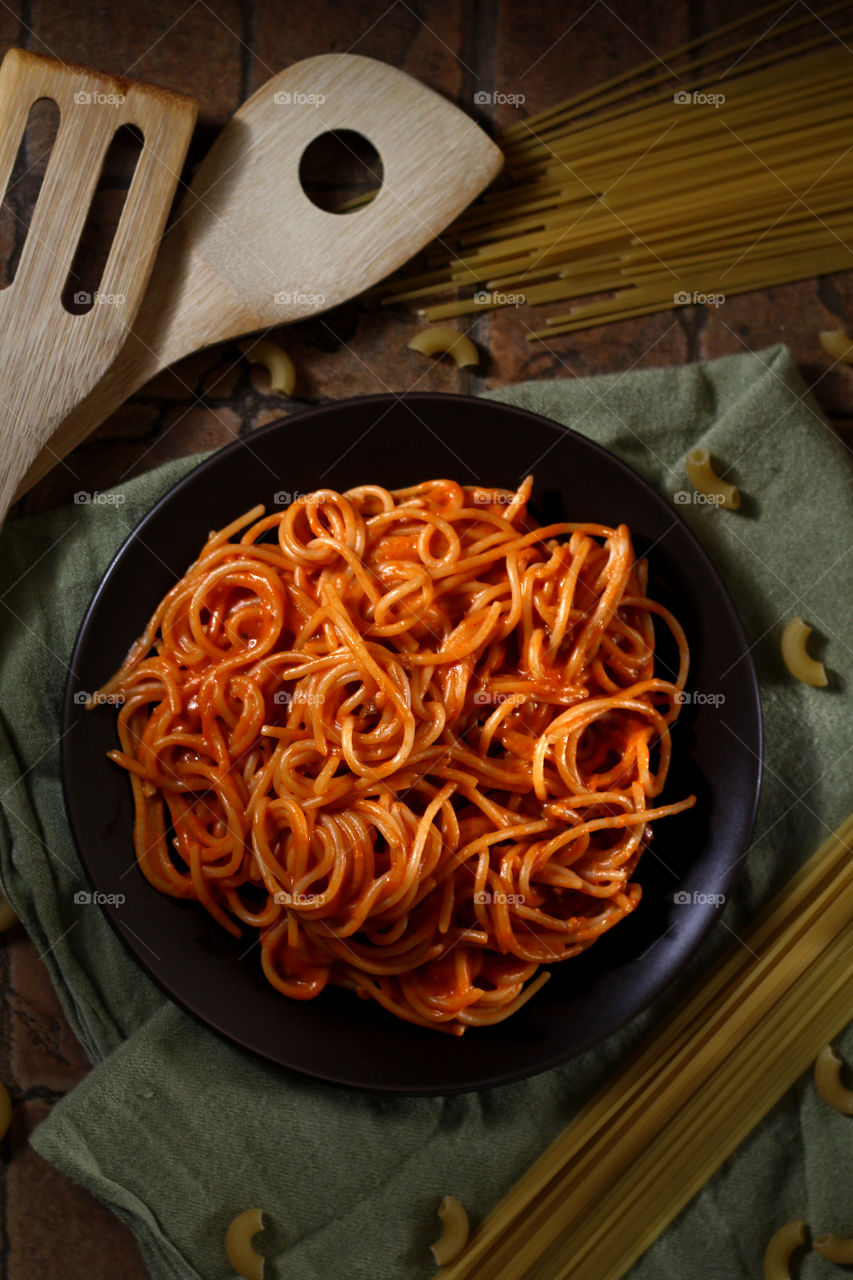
x=413, y=739
x=605, y=203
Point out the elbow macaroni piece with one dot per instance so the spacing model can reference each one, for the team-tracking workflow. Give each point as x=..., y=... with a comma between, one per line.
x=439, y=339
x=777, y=1255
x=834, y=1248
x=705, y=480
x=454, y=1237
x=827, y=1078
x=836, y=343
x=7, y=915
x=357, y=202
x=275, y=360
x=245, y=1260
x=796, y=658
x=5, y=1111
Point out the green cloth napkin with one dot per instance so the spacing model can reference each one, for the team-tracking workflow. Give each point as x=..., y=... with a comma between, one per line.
x=178, y=1131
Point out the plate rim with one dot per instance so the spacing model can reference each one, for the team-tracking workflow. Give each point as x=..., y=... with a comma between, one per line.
x=215, y=459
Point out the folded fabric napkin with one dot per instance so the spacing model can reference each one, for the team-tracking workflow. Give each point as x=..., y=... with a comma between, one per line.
x=178, y=1130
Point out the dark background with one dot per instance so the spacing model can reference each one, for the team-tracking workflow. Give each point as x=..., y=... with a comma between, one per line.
x=220, y=53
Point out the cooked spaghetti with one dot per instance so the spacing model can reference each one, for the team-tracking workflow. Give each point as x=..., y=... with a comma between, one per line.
x=410, y=737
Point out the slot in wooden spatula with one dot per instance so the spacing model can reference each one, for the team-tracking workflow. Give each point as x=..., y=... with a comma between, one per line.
x=50, y=359
x=249, y=250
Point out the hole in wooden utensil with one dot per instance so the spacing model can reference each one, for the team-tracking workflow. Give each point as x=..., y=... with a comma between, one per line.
x=19, y=199
x=81, y=289
x=341, y=171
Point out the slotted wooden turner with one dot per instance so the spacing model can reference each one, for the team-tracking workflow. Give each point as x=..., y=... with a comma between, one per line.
x=249, y=250
x=50, y=359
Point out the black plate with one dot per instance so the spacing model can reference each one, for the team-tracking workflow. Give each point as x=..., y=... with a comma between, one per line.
x=397, y=442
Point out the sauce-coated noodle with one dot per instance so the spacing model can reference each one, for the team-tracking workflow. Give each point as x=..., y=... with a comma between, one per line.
x=412, y=738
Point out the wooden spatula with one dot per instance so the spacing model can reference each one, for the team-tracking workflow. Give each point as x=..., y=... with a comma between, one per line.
x=249, y=250
x=50, y=359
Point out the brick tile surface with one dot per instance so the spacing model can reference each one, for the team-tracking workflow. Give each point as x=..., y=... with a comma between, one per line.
x=55, y=1228
x=44, y=1052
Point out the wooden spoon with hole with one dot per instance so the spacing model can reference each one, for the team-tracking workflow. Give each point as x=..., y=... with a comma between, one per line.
x=249, y=250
